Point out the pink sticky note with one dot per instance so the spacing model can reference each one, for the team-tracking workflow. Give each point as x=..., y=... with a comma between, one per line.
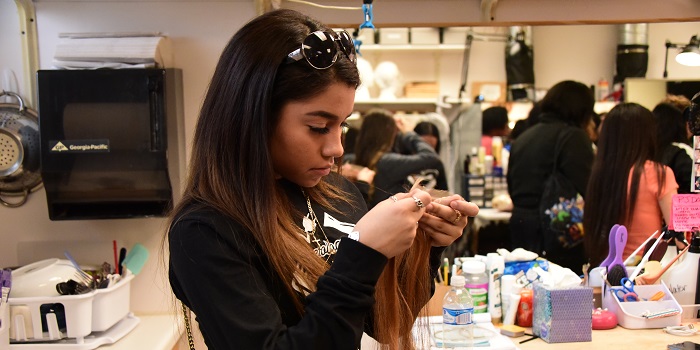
x=685, y=212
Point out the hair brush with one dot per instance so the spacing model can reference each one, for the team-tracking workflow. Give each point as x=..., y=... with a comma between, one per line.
x=617, y=269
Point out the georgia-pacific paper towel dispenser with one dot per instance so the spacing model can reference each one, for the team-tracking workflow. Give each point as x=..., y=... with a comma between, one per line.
x=111, y=142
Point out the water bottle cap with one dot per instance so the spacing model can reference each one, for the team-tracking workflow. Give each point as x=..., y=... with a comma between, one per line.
x=474, y=266
x=457, y=281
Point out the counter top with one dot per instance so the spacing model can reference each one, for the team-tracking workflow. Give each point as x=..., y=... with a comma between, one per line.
x=618, y=338
x=154, y=332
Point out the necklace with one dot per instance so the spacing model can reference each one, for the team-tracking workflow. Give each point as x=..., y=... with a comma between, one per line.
x=310, y=222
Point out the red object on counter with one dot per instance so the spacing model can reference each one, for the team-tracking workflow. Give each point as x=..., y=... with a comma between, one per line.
x=524, y=315
x=603, y=319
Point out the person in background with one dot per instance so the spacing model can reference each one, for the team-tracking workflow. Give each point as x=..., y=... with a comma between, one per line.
x=494, y=122
x=519, y=127
x=627, y=186
x=268, y=247
x=566, y=112
x=533, y=117
x=350, y=138
x=394, y=171
x=672, y=140
x=430, y=134
x=593, y=128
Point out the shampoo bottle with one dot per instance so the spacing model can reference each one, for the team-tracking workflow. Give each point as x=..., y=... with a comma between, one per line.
x=681, y=279
x=495, y=265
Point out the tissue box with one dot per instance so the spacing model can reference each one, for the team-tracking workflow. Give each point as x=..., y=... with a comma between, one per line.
x=562, y=315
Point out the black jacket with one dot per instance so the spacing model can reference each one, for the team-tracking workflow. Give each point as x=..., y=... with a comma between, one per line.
x=219, y=271
x=532, y=159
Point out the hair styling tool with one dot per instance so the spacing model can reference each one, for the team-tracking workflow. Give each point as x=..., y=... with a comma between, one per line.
x=617, y=270
x=611, y=247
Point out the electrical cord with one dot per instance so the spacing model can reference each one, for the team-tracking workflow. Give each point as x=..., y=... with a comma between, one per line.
x=685, y=331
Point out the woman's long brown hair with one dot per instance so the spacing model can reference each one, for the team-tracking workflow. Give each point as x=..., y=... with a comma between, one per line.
x=403, y=290
x=626, y=142
x=231, y=169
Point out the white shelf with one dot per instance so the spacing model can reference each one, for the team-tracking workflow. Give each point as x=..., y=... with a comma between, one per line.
x=411, y=47
x=404, y=104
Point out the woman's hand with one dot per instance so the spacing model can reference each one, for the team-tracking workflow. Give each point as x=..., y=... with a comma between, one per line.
x=390, y=226
x=445, y=219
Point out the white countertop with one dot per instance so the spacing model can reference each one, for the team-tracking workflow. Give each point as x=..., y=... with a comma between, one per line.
x=154, y=332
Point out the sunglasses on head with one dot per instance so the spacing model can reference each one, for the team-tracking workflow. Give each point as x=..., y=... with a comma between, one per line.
x=321, y=49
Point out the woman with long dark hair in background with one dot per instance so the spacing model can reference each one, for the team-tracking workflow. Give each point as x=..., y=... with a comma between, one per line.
x=627, y=186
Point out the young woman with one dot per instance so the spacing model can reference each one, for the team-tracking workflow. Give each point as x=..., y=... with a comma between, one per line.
x=269, y=248
x=566, y=111
x=627, y=186
x=379, y=133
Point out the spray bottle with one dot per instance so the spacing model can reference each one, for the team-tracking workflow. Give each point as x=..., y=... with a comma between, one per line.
x=682, y=278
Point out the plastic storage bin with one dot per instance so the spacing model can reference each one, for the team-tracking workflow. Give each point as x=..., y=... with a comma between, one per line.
x=629, y=314
x=83, y=313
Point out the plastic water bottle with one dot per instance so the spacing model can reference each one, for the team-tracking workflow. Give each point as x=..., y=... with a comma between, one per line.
x=457, y=316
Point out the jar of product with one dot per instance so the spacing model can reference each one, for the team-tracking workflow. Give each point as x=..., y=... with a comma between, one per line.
x=477, y=283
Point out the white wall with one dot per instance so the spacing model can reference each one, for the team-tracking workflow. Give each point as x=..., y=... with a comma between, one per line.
x=198, y=34
x=199, y=30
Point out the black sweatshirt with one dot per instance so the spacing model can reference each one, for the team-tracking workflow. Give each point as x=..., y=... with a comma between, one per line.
x=532, y=159
x=220, y=272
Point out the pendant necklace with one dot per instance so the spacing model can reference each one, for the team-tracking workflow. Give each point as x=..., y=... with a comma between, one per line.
x=310, y=222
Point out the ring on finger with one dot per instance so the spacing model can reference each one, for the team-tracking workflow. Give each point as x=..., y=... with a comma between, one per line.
x=419, y=202
x=393, y=198
x=459, y=216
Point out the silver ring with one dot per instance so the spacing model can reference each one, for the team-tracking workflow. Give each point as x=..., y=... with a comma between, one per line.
x=419, y=202
x=393, y=198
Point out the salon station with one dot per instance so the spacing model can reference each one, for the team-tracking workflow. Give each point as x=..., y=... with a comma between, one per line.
x=444, y=62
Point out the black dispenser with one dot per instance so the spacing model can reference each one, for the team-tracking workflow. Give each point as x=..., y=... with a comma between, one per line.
x=111, y=141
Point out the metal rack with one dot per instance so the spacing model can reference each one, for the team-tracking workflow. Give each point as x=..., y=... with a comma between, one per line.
x=481, y=189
